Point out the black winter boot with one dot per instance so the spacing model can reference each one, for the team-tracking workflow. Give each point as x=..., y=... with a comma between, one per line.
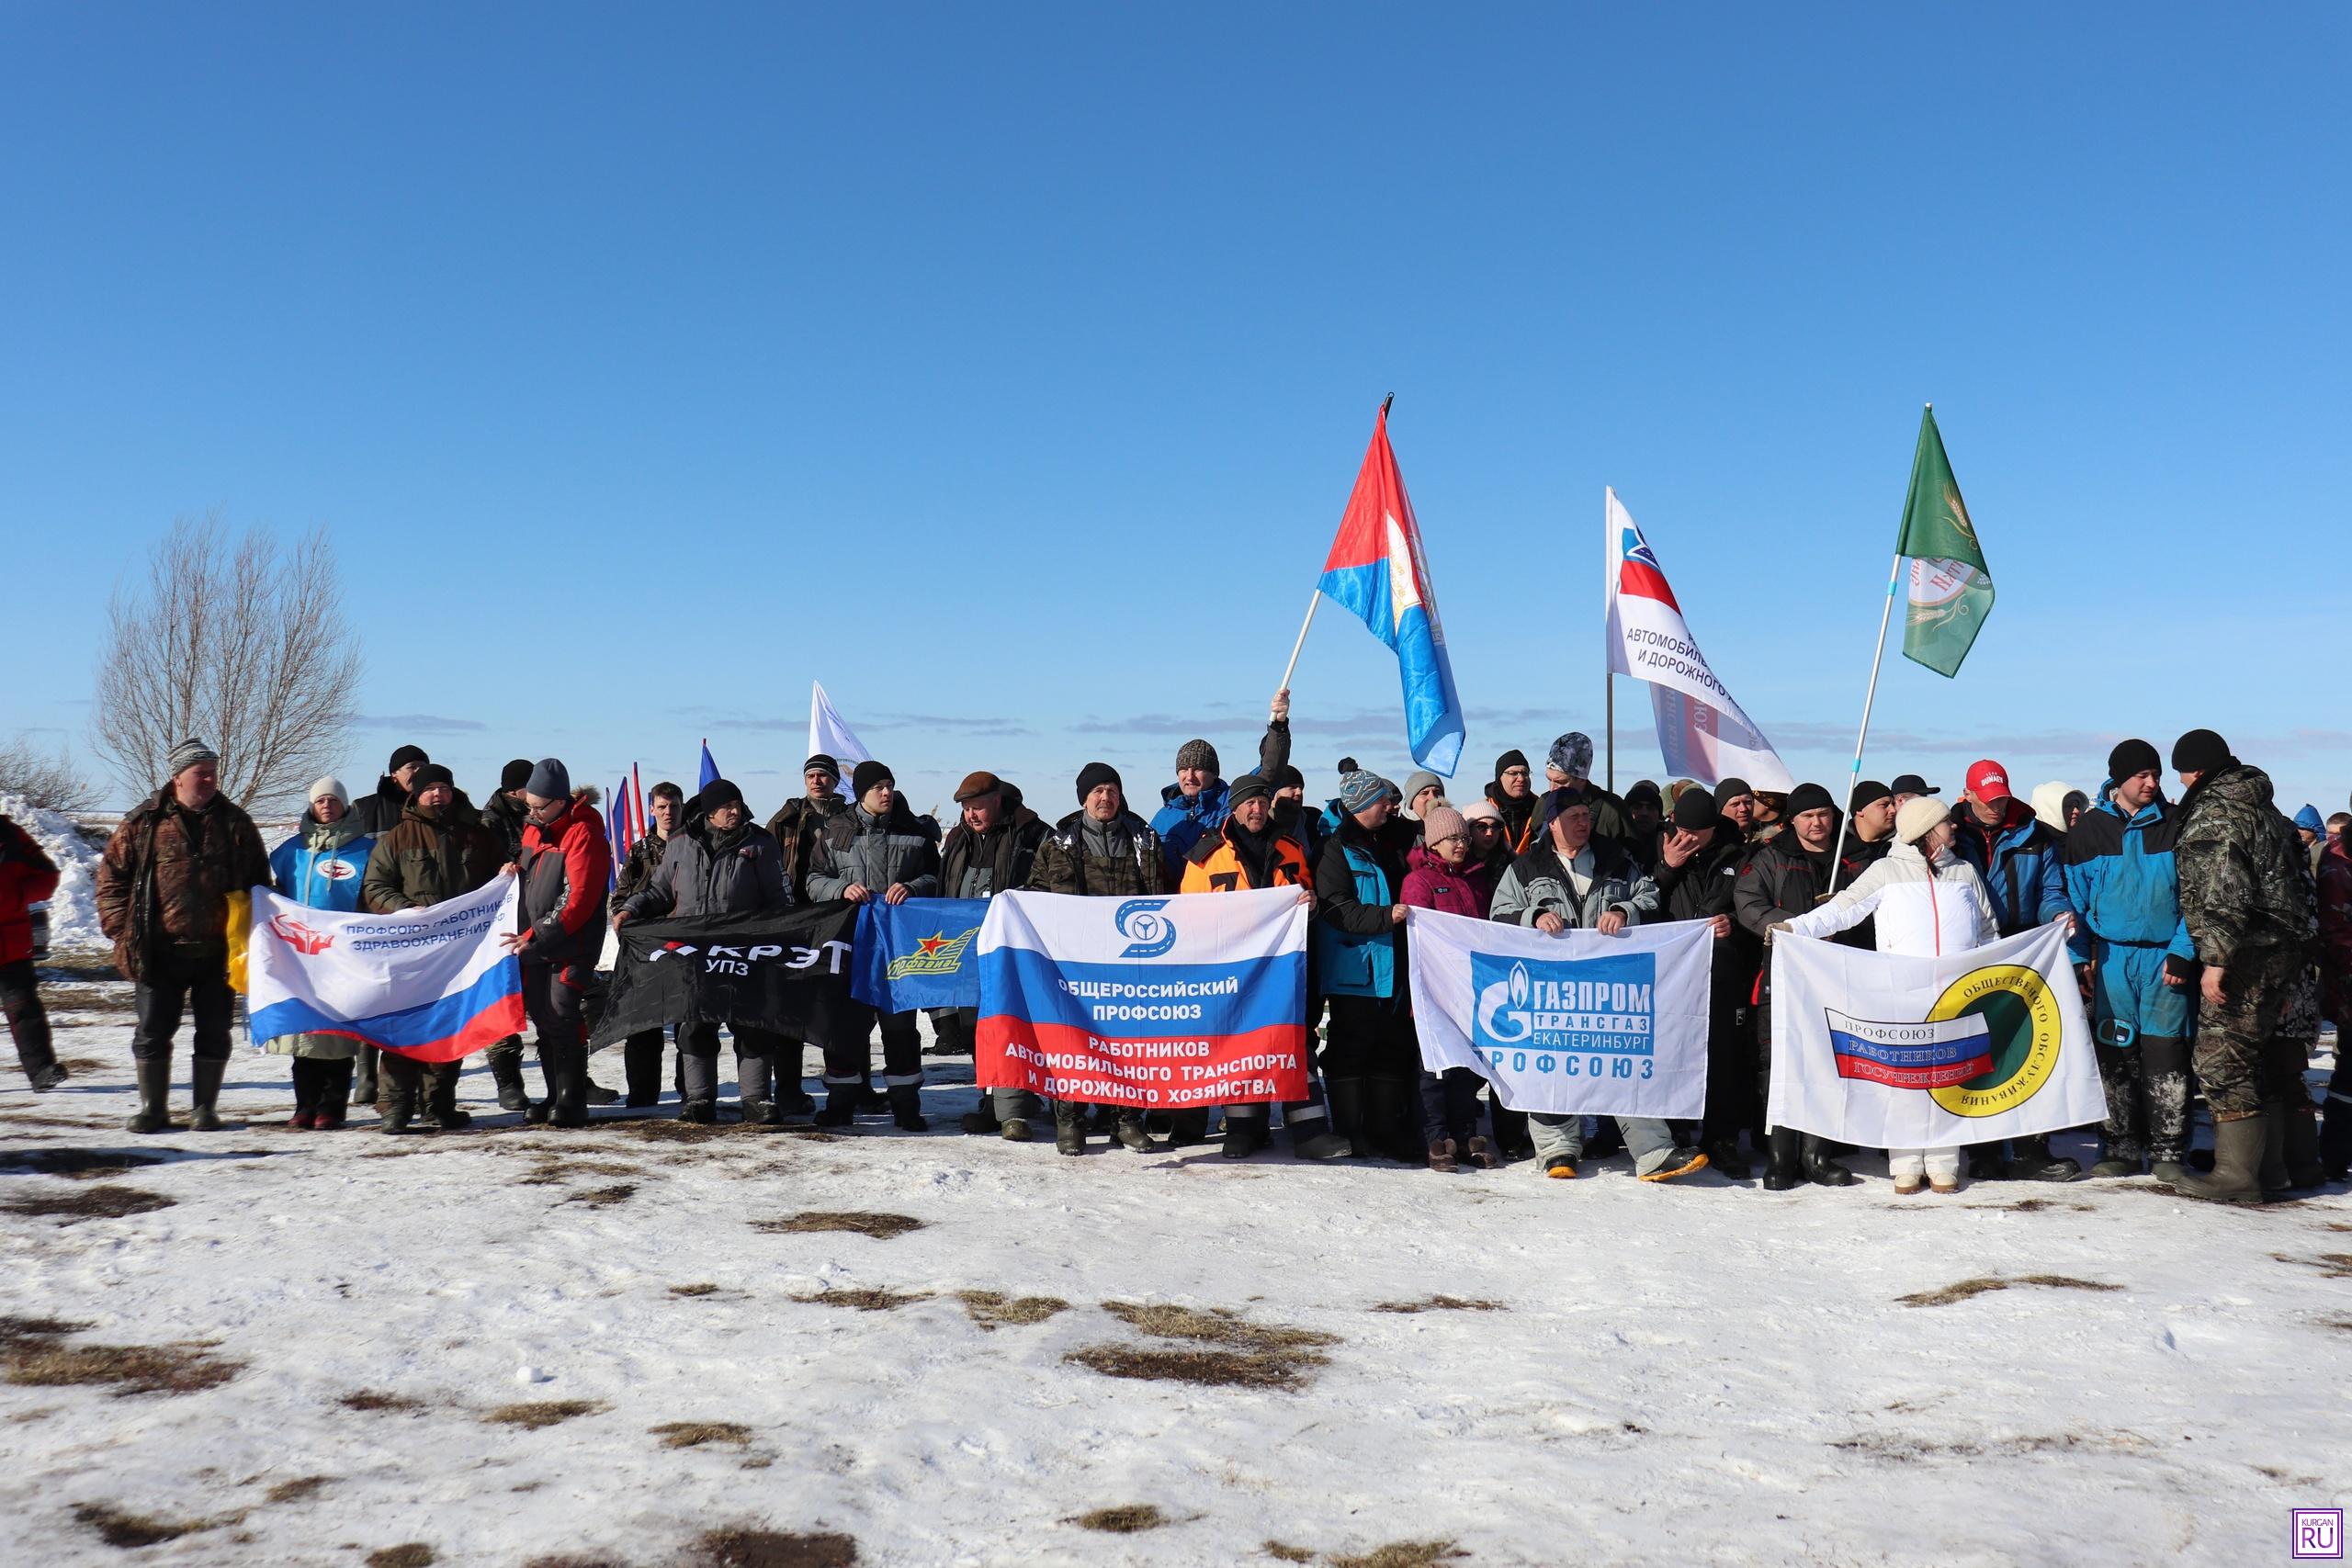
x=364, y=1088
x=154, y=1114
x=1244, y=1135
x=205, y=1074
x=1783, y=1159
x=1346, y=1098
x=568, y=1090
x=334, y=1095
x=1186, y=1128
x=906, y=1108
x=2336, y=1137
x=505, y=1061
x=1069, y=1128
x=1130, y=1131
x=1391, y=1120
x=2237, y=1164
x=441, y=1100
x=698, y=1101
x=399, y=1103
x=2034, y=1162
x=1819, y=1168
x=2303, y=1169
x=841, y=1106
x=1725, y=1159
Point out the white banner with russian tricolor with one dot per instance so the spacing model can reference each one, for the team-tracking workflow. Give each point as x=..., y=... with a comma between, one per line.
x=429, y=984
x=1883, y=1051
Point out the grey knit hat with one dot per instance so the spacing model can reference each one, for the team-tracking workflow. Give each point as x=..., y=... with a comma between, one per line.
x=1197, y=754
x=550, y=780
x=187, y=755
x=1363, y=789
x=1417, y=782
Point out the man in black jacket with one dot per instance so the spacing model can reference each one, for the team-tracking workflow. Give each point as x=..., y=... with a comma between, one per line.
x=989, y=851
x=665, y=805
x=1697, y=869
x=380, y=812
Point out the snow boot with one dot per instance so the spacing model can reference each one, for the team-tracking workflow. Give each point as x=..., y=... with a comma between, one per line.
x=591, y=1091
x=1442, y=1156
x=1069, y=1128
x=841, y=1106
x=205, y=1074
x=1783, y=1159
x=305, y=1073
x=1723, y=1156
x=365, y=1089
x=2122, y=1160
x=1186, y=1128
x=1346, y=1098
x=399, y=1104
x=982, y=1118
x=506, y=1071
x=568, y=1087
x=335, y=1096
x=2237, y=1164
x=906, y=1108
x=751, y=1077
x=698, y=1102
x=1483, y=1155
x=1014, y=1130
x=441, y=1100
x=1130, y=1131
x=1820, y=1169
x=2034, y=1162
x=1245, y=1135
x=1314, y=1139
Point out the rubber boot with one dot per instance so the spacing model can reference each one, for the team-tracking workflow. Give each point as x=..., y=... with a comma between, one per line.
x=698, y=1102
x=506, y=1062
x=365, y=1087
x=1394, y=1134
x=1819, y=1168
x=334, y=1095
x=2303, y=1169
x=2272, y=1174
x=840, y=1105
x=906, y=1108
x=2237, y=1164
x=1130, y=1131
x=1783, y=1159
x=205, y=1074
x=1346, y=1096
x=441, y=1099
x=154, y=1114
x=567, y=1102
x=752, y=1075
x=1069, y=1128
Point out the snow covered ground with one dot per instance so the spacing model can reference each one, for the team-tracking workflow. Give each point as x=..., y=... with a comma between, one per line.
x=1696, y=1373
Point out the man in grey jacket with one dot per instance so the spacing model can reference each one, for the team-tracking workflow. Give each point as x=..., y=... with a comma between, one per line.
x=875, y=850
x=1570, y=880
x=722, y=863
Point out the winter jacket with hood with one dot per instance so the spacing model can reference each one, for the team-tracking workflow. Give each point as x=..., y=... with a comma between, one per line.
x=706, y=871
x=1005, y=854
x=1779, y=881
x=875, y=851
x=26, y=877
x=1357, y=949
x=644, y=859
x=1920, y=910
x=1120, y=858
x=794, y=828
x=2335, y=930
x=429, y=858
x=324, y=865
x=2246, y=889
x=1233, y=859
x=1539, y=884
x=1430, y=884
x=166, y=875
x=381, y=813
x=2019, y=859
x=506, y=817
x=2121, y=879
x=566, y=867
x=1182, y=822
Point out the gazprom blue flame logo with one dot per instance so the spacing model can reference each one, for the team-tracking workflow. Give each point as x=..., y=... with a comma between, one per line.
x=1149, y=933
x=1605, y=1004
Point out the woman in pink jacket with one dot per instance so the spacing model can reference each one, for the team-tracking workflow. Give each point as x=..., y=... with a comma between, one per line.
x=1442, y=875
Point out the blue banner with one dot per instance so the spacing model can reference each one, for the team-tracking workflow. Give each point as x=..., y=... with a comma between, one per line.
x=921, y=953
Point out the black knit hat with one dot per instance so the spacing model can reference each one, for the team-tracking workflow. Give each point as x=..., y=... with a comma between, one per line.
x=821, y=761
x=1696, y=811
x=2133, y=757
x=1730, y=790
x=1809, y=797
x=1869, y=792
x=866, y=774
x=1249, y=786
x=1288, y=777
x=1509, y=760
x=716, y=794
x=1645, y=789
x=2201, y=752
x=428, y=776
x=403, y=756
x=1093, y=777
x=514, y=775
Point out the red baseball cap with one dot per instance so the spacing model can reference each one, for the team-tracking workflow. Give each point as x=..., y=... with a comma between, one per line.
x=1988, y=780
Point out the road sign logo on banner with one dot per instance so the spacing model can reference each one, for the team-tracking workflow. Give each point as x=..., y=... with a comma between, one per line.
x=1149, y=933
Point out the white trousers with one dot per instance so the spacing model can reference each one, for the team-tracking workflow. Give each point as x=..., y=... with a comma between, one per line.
x=1935, y=1164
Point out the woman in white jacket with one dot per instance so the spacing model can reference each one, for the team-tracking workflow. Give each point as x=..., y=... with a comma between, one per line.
x=1925, y=901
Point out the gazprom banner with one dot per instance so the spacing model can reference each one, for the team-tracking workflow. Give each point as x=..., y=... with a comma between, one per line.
x=1187, y=1001
x=1577, y=1023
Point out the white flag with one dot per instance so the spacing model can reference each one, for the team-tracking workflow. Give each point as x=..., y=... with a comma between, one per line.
x=1573, y=1023
x=1888, y=1052
x=828, y=734
x=1701, y=733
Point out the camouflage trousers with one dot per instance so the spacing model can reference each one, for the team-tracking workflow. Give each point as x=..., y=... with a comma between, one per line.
x=2243, y=1057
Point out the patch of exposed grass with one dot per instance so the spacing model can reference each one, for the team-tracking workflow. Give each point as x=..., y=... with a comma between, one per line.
x=376, y=1399
x=131, y=1369
x=865, y=1299
x=881, y=1227
x=1962, y=1289
x=2024, y=1206
x=121, y=1528
x=297, y=1489
x=1127, y=1519
x=1217, y=1326
x=407, y=1554
x=15, y=1330
x=102, y=1201
x=1208, y=1368
x=2342, y=1324
x=694, y=1434
x=603, y=1196
x=532, y=1415
x=1442, y=1303
x=1283, y=1551
x=1401, y=1554
x=2331, y=1265
x=1903, y=1448
x=994, y=1309
x=704, y=1288
x=574, y=1560
x=742, y=1548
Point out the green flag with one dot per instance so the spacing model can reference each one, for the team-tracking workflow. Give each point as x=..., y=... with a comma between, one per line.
x=1952, y=591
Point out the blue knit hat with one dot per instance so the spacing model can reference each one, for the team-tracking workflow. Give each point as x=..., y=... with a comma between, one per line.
x=1364, y=789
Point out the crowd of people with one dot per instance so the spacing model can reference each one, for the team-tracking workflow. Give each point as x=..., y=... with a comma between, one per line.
x=2212, y=934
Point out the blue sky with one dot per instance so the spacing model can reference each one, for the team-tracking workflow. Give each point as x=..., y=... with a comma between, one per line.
x=1007, y=369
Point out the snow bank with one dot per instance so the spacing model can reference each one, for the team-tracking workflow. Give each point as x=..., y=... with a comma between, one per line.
x=73, y=907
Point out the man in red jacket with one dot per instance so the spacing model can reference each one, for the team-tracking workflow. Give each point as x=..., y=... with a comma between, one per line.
x=26, y=877
x=565, y=867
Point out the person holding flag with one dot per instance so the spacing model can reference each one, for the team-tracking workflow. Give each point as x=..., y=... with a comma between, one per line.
x=506, y=815
x=1194, y=807
x=794, y=828
x=565, y=866
x=641, y=1051
x=876, y=850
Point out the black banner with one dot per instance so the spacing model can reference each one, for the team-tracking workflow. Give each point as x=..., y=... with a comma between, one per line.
x=786, y=971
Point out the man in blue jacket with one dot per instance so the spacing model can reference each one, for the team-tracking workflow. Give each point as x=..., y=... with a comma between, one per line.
x=2136, y=959
x=1196, y=805
x=2019, y=859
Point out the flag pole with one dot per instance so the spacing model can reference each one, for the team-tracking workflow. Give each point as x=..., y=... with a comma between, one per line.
x=1846, y=812
x=1316, y=598
x=1608, y=654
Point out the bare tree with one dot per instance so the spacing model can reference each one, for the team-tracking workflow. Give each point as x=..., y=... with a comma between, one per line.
x=48, y=780
x=244, y=646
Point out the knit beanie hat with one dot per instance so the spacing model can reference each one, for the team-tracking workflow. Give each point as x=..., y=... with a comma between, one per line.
x=1249, y=786
x=1419, y=780
x=1919, y=816
x=1443, y=822
x=1869, y=792
x=1364, y=789
x=329, y=785
x=1572, y=754
x=821, y=761
x=515, y=774
x=1730, y=790
x=1508, y=760
x=405, y=756
x=187, y=755
x=866, y=774
x=1696, y=811
x=2132, y=758
x=428, y=776
x=1094, y=775
x=2201, y=752
x=550, y=780
x=1288, y=777
x=716, y=794
x=1197, y=754
x=1809, y=797
x=1482, y=811
x=1645, y=789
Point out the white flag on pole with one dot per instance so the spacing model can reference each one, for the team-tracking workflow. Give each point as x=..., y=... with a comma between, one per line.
x=1701, y=733
x=830, y=735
